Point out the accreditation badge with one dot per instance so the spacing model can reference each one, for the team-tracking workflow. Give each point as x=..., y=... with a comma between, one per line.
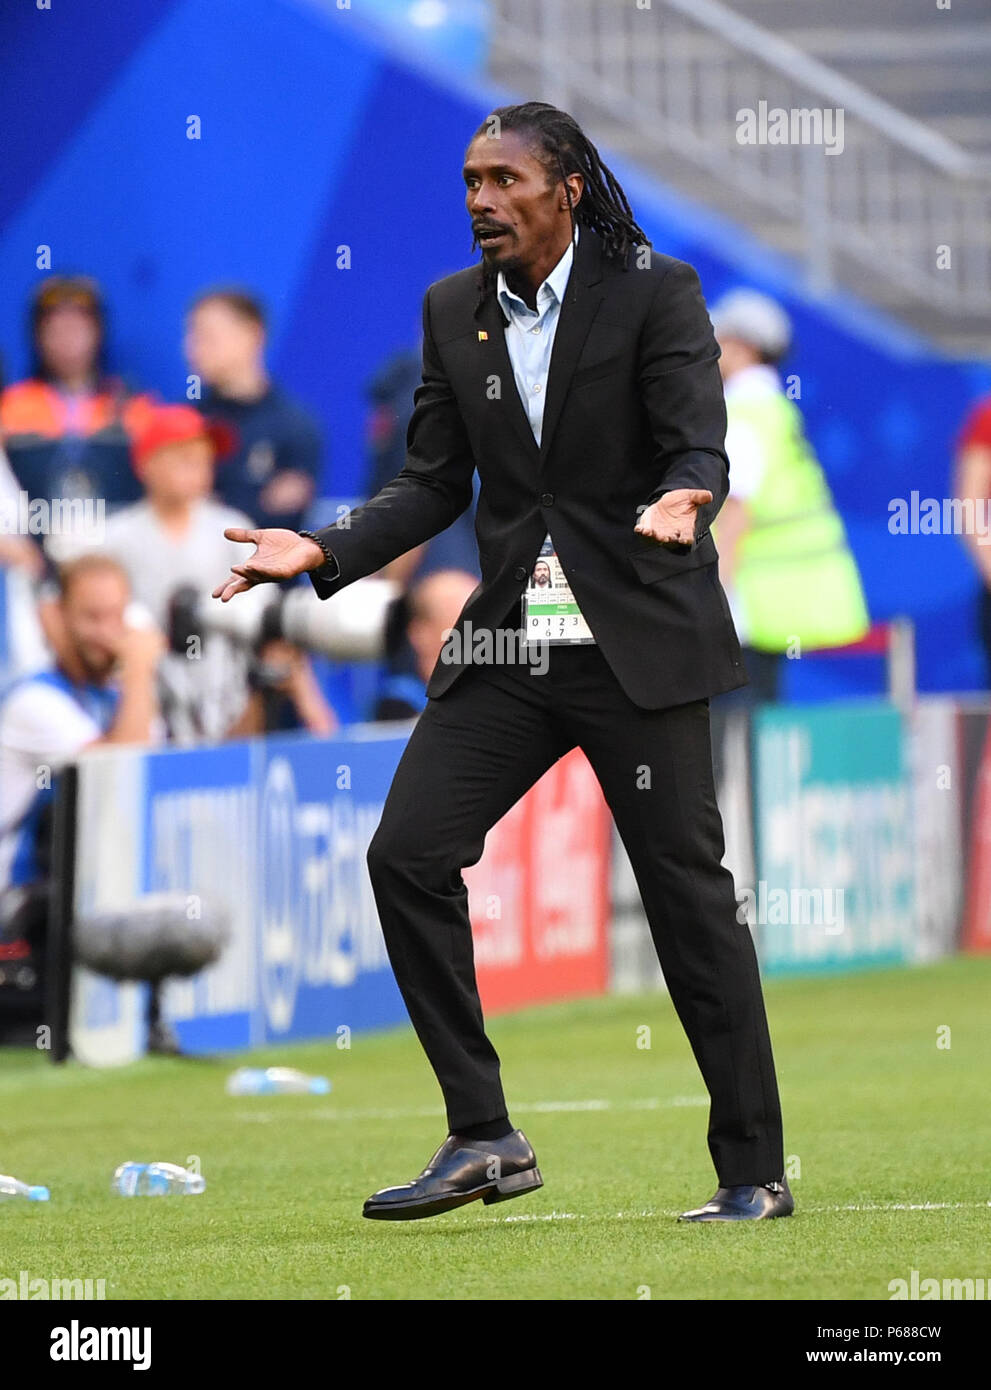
x=550, y=609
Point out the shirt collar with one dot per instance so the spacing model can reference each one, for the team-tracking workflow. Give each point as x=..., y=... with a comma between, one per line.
x=555, y=284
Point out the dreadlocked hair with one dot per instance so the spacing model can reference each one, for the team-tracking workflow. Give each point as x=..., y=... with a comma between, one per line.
x=564, y=148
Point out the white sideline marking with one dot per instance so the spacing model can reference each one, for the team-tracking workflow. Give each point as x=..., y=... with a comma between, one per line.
x=538, y=1107
x=903, y=1206
x=641, y=1215
x=550, y=1216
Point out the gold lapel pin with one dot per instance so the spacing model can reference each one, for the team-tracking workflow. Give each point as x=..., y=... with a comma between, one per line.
x=483, y=337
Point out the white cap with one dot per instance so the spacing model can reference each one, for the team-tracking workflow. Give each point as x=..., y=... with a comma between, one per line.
x=755, y=319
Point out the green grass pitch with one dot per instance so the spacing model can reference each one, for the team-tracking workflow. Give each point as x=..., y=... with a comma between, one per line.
x=881, y=1119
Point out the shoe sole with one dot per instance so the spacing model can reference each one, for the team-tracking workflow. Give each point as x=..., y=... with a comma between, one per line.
x=516, y=1185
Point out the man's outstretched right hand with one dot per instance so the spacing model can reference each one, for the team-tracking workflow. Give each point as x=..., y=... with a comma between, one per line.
x=279, y=555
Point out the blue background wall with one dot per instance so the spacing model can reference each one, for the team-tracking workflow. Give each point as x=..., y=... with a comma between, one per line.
x=315, y=135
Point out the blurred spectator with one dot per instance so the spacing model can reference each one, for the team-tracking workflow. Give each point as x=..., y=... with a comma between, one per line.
x=973, y=484
x=286, y=695
x=422, y=619
x=391, y=395
x=789, y=574
x=173, y=539
x=67, y=428
x=211, y=687
x=101, y=691
x=275, y=462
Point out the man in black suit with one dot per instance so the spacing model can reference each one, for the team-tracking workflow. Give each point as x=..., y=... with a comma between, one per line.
x=577, y=371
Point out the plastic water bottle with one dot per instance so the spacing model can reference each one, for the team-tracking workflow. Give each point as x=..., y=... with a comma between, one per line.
x=157, y=1180
x=11, y=1189
x=275, y=1081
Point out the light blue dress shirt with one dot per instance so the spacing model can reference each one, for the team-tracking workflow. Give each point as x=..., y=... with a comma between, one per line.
x=530, y=335
x=530, y=340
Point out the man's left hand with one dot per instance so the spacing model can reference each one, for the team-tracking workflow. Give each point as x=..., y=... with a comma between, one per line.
x=671, y=519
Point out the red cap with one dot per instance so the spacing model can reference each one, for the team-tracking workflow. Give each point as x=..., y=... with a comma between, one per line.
x=177, y=424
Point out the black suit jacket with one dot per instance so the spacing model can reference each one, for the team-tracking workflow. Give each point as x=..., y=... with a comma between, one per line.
x=634, y=408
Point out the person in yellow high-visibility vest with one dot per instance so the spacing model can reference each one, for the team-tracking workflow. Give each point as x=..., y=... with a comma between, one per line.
x=785, y=563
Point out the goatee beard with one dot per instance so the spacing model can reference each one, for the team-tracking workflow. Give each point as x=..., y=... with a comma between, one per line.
x=490, y=268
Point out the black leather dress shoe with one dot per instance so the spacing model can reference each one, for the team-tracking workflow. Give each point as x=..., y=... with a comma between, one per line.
x=461, y=1171
x=745, y=1204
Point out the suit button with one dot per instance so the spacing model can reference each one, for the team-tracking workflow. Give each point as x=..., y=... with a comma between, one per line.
x=519, y=573
x=547, y=499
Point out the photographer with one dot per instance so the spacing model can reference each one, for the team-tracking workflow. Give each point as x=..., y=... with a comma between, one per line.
x=285, y=695
x=102, y=690
x=168, y=541
x=419, y=623
x=212, y=685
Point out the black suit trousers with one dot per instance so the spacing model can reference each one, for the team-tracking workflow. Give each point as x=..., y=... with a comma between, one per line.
x=472, y=755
